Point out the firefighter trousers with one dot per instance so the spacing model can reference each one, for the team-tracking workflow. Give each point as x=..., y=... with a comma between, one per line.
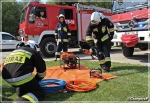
x=60, y=46
x=105, y=48
x=30, y=92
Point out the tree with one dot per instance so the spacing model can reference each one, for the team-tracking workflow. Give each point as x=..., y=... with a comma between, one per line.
x=87, y=2
x=11, y=12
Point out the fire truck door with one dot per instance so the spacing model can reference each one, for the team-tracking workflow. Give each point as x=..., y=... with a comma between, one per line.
x=39, y=25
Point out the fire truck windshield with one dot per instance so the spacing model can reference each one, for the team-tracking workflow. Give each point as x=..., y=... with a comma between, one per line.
x=23, y=15
x=125, y=5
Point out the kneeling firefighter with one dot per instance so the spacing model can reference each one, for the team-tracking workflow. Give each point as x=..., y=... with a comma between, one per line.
x=62, y=36
x=103, y=30
x=18, y=68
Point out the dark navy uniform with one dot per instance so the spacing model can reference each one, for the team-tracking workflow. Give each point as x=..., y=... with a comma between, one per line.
x=62, y=33
x=103, y=34
x=17, y=71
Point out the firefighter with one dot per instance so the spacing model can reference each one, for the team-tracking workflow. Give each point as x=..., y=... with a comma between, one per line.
x=42, y=15
x=103, y=30
x=62, y=36
x=18, y=68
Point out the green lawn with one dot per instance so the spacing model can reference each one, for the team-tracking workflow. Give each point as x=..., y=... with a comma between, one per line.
x=132, y=81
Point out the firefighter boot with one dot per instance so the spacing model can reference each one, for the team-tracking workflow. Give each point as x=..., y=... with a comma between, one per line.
x=55, y=59
x=107, y=69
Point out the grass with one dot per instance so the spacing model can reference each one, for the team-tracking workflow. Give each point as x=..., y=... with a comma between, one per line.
x=132, y=81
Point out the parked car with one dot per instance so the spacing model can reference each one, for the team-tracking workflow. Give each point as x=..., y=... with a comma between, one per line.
x=8, y=41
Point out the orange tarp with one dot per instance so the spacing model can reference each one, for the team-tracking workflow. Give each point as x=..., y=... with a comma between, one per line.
x=56, y=72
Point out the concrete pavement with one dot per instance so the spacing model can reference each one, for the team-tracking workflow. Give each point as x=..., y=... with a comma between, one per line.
x=140, y=57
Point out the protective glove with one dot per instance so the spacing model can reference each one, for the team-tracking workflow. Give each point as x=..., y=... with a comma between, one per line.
x=110, y=37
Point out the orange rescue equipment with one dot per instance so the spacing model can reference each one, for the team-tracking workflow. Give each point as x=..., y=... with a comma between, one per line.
x=81, y=85
x=68, y=60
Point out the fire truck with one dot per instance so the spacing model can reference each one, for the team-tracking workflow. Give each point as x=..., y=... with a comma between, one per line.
x=42, y=31
x=131, y=17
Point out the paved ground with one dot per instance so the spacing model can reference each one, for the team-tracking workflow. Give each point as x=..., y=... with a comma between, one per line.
x=140, y=57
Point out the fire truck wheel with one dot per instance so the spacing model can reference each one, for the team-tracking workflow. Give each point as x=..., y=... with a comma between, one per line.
x=127, y=51
x=143, y=48
x=48, y=47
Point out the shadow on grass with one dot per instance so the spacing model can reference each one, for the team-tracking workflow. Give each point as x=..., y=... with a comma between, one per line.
x=60, y=96
x=129, y=69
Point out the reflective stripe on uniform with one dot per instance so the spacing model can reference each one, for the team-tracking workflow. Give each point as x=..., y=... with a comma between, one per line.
x=31, y=97
x=69, y=34
x=111, y=29
x=55, y=34
x=65, y=29
x=105, y=38
x=57, y=53
x=59, y=28
x=107, y=59
x=19, y=78
x=17, y=56
x=102, y=61
x=24, y=51
x=64, y=40
x=25, y=80
x=88, y=38
x=95, y=41
x=42, y=74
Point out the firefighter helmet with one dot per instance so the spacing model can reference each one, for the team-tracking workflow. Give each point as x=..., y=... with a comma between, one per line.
x=95, y=18
x=61, y=16
x=32, y=44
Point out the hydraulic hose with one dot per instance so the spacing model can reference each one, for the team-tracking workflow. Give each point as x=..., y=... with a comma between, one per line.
x=46, y=84
x=81, y=85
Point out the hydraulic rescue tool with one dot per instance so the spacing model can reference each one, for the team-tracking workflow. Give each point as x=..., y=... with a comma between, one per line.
x=94, y=52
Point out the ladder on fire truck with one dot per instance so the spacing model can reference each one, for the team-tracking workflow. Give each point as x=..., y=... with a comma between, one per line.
x=91, y=7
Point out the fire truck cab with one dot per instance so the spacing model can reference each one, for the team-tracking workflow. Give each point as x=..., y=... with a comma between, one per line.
x=32, y=27
x=131, y=17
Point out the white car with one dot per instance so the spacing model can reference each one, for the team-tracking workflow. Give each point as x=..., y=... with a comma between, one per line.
x=8, y=41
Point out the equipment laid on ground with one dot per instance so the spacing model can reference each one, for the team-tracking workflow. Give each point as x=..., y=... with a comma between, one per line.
x=52, y=85
x=94, y=52
x=96, y=73
x=69, y=61
x=81, y=85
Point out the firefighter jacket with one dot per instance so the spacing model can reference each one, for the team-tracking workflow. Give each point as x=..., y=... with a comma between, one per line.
x=19, y=66
x=103, y=31
x=62, y=32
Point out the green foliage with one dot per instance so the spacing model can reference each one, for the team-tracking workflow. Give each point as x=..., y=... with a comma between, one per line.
x=11, y=12
x=98, y=4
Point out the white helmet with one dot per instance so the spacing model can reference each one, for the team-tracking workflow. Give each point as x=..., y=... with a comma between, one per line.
x=61, y=15
x=95, y=17
x=30, y=43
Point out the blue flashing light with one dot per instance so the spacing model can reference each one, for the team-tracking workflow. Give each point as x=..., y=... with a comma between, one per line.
x=122, y=27
x=141, y=25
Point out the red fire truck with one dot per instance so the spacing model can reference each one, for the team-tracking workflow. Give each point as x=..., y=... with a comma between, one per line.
x=77, y=17
x=131, y=17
